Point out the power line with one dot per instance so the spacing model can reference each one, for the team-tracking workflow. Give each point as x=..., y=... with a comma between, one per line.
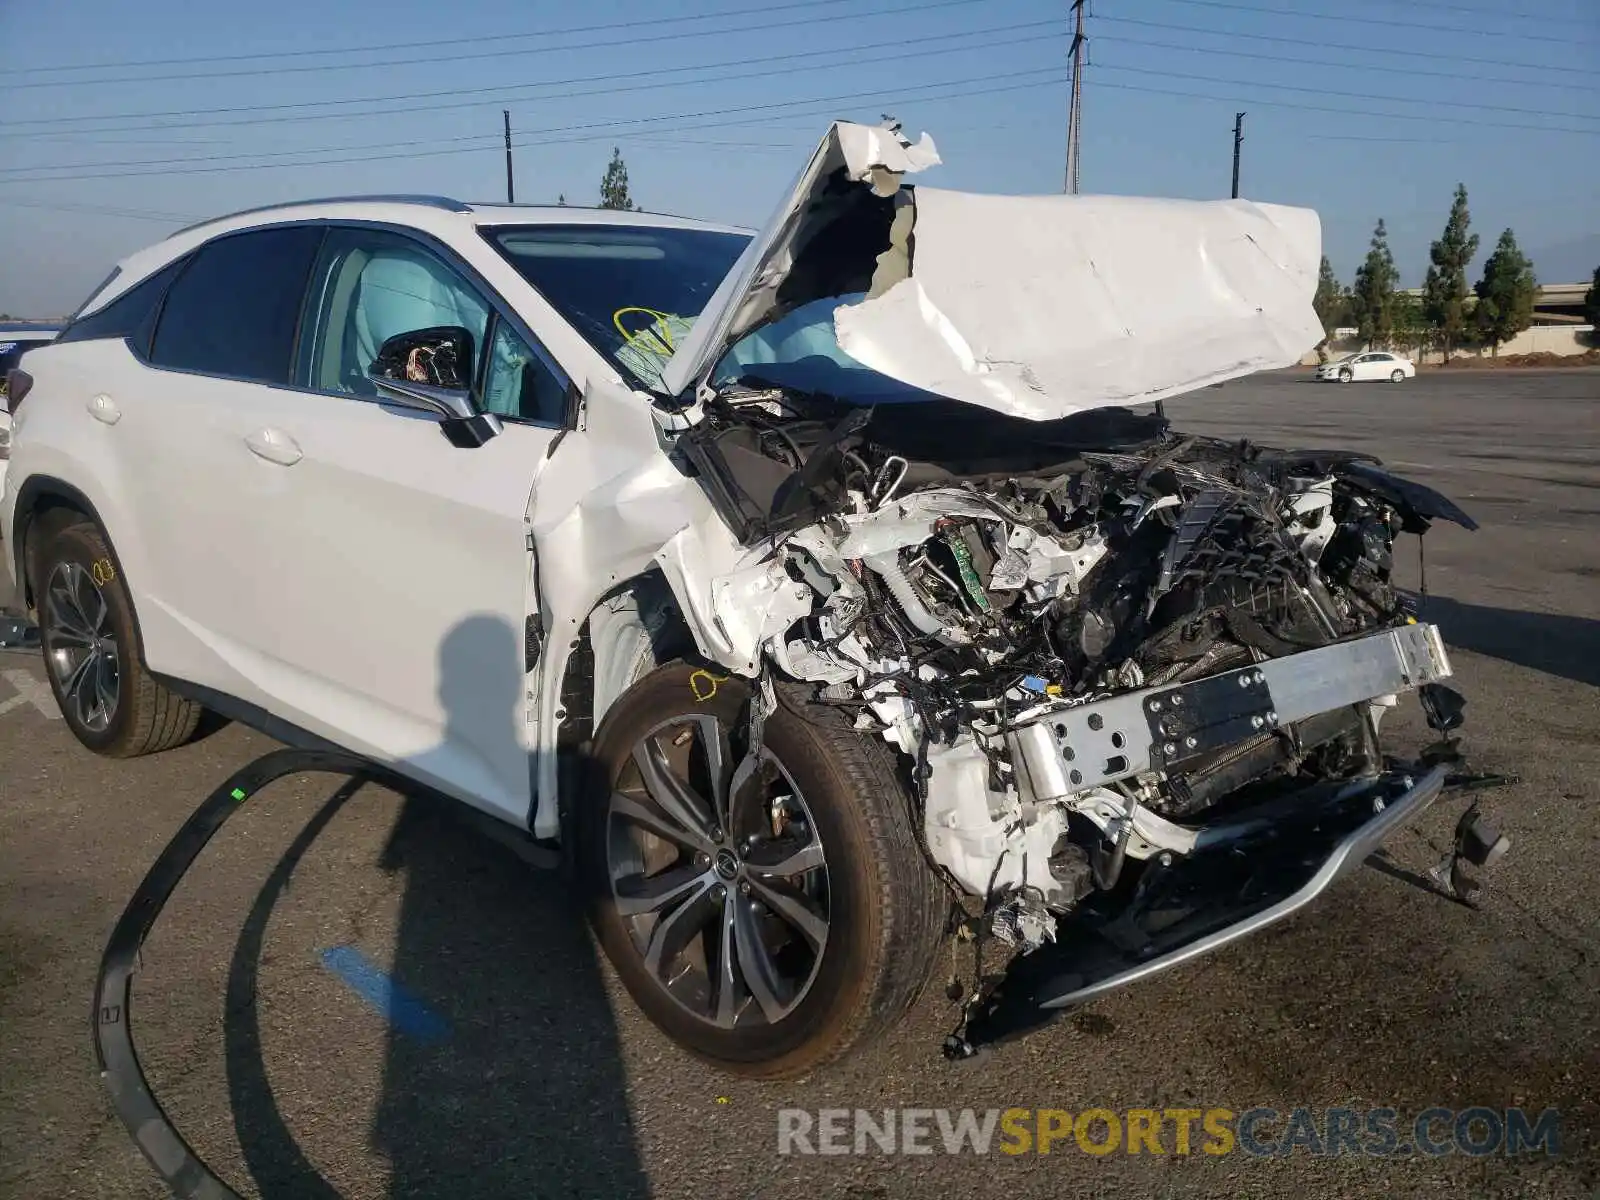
x=757, y=10
x=1345, y=66
x=763, y=120
x=211, y=158
x=600, y=130
x=478, y=55
x=1475, y=122
x=503, y=93
x=1493, y=12
x=84, y=137
x=500, y=92
x=623, y=127
x=479, y=39
x=1288, y=87
x=100, y=210
x=1408, y=53
x=301, y=154
x=10, y=174
x=668, y=139
x=1310, y=16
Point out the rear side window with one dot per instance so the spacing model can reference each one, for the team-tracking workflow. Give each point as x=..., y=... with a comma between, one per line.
x=235, y=309
x=130, y=315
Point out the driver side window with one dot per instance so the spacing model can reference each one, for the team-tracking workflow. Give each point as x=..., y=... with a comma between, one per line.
x=518, y=383
x=368, y=286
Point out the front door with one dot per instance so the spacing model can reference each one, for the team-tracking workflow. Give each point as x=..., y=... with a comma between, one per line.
x=375, y=580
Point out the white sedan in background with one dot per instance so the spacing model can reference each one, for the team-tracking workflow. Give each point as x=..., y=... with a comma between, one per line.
x=1371, y=364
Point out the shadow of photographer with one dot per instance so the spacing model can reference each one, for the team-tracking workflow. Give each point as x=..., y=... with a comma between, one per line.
x=518, y=1089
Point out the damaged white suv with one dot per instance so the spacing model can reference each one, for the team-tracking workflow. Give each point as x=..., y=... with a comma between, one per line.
x=811, y=592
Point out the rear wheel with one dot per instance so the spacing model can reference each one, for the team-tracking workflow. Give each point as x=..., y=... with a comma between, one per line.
x=768, y=909
x=91, y=650
x=1396, y=375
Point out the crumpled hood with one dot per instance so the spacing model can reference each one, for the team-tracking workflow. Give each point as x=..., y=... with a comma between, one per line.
x=874, y=158
x=1034, y=306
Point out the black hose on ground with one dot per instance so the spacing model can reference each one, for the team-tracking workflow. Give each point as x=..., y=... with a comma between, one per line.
x=173, y=1158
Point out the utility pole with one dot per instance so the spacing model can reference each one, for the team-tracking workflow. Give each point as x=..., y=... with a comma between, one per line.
x=1238, y=140
x=1075, y=107
x=511, y=195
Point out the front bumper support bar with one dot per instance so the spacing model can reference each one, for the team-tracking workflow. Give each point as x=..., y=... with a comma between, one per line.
x=1163, y=728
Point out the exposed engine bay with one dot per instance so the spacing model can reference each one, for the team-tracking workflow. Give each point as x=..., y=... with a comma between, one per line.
x=990, y=594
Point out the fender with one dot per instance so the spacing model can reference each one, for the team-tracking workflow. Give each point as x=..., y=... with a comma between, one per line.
x=606, y=507
x=42, y=493
x=604, y=502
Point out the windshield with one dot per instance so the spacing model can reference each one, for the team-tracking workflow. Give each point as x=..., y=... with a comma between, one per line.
x=800, y=351
x=632, y=291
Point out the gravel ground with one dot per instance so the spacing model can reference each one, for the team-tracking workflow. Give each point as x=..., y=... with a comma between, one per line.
x=542, y=1080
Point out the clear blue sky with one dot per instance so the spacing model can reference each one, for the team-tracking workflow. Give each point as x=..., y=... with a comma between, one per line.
x=1363, y=110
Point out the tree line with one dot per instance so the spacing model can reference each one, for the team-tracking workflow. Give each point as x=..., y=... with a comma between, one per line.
x=1451, y=312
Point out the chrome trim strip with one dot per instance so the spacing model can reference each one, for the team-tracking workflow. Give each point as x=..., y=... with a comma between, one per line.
x=1346, y=857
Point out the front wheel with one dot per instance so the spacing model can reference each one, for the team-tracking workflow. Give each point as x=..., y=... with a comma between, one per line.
x=768, y=907
x=1346, y=375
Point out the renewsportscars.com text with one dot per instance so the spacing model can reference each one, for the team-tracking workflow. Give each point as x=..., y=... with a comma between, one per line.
x=1260, y=1132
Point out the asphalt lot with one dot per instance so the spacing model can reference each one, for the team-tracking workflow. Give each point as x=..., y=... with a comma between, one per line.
x=529, y=1073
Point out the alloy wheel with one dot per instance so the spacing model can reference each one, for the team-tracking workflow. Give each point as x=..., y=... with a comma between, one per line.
x=81, y=646
x=718, y=873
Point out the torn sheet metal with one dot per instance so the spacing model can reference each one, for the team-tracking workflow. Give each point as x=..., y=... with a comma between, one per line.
x=1042, y=306
x=603, y=506
x=877, y=156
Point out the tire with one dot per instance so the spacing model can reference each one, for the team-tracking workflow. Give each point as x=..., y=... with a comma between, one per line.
x=1397, y=376
x=885, y=911
x=1346, y=375
x=105, y=696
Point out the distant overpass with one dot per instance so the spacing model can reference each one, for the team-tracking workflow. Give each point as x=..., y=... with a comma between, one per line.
x=1560, y=304
x=1556, y=303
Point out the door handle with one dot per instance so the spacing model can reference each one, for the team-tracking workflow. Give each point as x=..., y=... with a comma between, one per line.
x=274, y=445
x=103, y=408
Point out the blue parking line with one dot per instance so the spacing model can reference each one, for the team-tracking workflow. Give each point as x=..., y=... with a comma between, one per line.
x=392, y=1002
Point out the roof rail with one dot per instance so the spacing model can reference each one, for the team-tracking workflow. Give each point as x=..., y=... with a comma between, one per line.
x=443, y=202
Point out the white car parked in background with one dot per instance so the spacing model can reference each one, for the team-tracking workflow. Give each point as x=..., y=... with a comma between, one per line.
x=1368, y=365
x=793, y=588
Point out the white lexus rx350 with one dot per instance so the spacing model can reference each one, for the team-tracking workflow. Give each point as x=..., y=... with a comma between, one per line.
x=845, y=565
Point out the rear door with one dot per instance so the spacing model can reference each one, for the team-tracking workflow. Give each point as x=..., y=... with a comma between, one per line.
x=219, y=339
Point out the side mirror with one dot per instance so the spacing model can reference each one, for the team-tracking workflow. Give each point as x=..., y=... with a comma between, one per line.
x=431, y=370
